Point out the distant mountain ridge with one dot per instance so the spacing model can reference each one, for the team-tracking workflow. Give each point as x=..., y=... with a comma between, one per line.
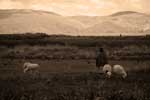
x=22, y=21
x=24, y=11
x=124, y=13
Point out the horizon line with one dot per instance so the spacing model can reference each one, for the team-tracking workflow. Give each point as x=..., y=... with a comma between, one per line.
x=75, y=15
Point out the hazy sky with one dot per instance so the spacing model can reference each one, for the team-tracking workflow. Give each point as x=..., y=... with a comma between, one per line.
x=79, y=7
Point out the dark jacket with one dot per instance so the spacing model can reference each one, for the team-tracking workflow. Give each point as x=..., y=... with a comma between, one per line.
x=101, y=59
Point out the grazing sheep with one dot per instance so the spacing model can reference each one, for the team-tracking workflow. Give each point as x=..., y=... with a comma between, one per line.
x=30, y=67
x=119, y=70
x=107, y=69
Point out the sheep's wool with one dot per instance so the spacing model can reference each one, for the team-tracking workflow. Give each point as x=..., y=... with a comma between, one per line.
x=118, y=69
x=107, y=68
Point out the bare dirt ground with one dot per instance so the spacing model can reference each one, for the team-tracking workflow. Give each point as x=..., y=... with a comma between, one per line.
x=73, y=80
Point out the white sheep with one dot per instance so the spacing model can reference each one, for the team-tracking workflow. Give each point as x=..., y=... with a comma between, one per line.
x=119, y=70
x=30, y=67
x=107, y=69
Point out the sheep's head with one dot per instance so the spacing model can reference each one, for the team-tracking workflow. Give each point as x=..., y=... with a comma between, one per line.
x=109, y=74
x=24, y=66
x=124, y=75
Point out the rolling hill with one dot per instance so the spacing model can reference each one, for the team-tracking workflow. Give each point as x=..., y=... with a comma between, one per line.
x=127, y=22
x=22, y=21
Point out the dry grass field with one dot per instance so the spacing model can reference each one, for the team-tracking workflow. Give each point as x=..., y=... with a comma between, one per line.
x=73, y=80
x=68, y=70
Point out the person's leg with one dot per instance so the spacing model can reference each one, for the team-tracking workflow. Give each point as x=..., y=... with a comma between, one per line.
x=97, y=69
x=100, y=68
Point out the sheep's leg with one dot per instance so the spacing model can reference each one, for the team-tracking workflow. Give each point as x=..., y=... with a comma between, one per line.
x=32, y=72
x=37, y=73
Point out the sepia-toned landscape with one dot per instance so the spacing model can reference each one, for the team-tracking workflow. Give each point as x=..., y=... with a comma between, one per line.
x=74, y=50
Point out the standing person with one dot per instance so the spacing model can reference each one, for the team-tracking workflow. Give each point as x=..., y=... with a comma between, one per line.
x=101, y=58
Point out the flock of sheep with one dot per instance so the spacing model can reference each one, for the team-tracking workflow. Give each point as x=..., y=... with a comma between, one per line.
x=116, y=69
x=108, y=70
